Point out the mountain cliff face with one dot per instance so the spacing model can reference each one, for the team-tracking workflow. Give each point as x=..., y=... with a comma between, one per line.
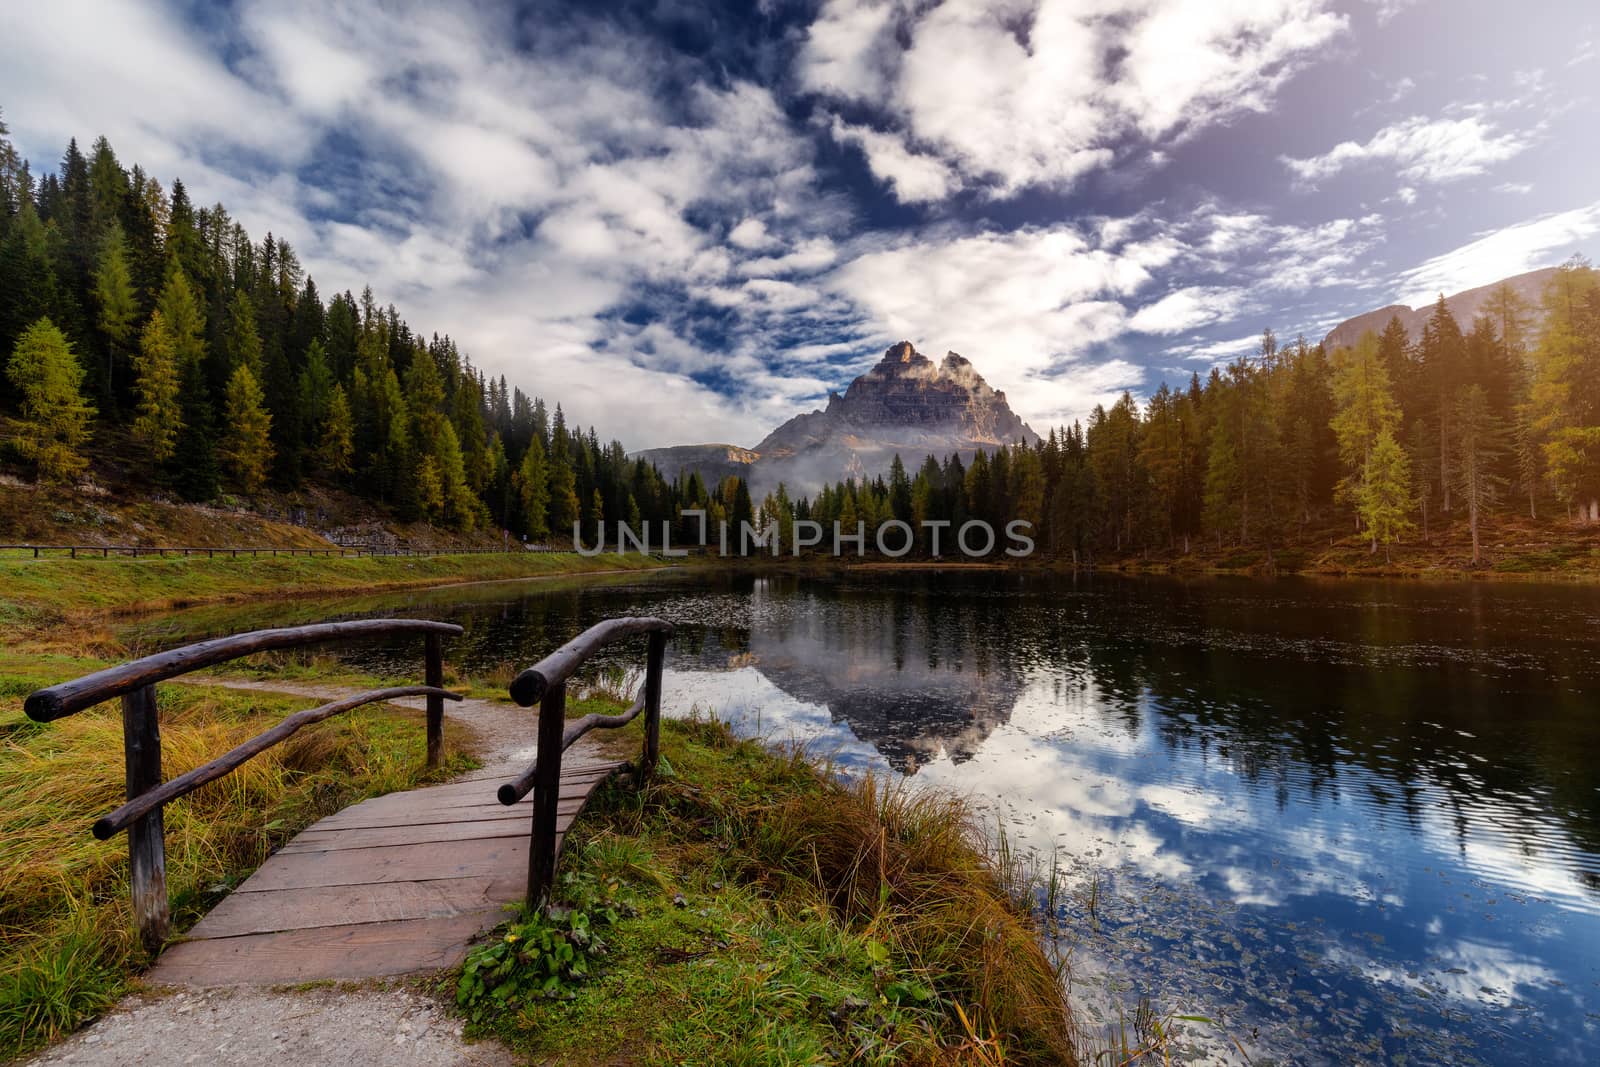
x=907, y=404
x=1465, y=306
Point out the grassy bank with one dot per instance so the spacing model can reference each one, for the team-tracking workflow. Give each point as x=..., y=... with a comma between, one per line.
x=45, y=589
x=65, y=924
x=750, y=908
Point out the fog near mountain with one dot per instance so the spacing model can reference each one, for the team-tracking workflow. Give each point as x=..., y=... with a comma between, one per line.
x=906, y=405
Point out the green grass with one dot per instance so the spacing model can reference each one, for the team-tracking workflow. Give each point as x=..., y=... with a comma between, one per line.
x=67, y=946
x=775, y=914
x=44, y=589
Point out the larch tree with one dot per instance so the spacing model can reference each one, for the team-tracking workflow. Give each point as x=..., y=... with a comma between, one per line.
x=116, y=304
x=336, y=450
x=244, y=339
x=159, y=417
x=246, y=449
x=1384, y=498
x=54, y=422
x=1566, y=387
x=1364, y=411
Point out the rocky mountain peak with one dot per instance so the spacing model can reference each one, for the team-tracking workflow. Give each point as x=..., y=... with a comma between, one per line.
x=906, y=404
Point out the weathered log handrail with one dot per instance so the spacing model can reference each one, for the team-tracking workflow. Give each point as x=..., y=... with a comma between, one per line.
x=546, y=683
x=135, y=683
x=69, y=697
x=231, y=760
x=514, y=790
x=529, y=686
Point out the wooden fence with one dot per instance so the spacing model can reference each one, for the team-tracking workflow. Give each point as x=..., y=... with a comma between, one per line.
x=135, y=683
x=231, y=552
x=545, y=683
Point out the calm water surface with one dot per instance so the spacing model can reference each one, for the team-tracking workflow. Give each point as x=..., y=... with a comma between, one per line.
x=1352, y=822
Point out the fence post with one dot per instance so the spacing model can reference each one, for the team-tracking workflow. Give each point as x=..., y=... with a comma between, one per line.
x=147, y=850
x=654, y=659
x=546, y=795
x=435, y=677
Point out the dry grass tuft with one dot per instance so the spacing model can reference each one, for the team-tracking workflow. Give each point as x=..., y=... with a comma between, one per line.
x=906, y=866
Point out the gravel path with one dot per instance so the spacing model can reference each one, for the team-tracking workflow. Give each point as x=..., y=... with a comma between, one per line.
x=324, y=1027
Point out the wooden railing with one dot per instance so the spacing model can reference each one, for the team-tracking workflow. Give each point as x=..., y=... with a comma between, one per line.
x=141, y=732
x=234, y=552
x=545, y=683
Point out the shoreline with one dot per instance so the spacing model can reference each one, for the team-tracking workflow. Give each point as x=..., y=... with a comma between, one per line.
x=56, y=590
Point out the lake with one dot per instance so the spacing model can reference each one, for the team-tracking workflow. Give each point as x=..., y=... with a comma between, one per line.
x=1350, y=821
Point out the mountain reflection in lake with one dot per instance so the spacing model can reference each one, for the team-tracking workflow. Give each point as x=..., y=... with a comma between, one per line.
x=1353, y=821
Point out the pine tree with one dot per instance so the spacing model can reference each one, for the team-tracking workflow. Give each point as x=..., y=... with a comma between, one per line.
x=315, y=391
x=563, y=493
x=246, y=449
x=533, y=491
x=53, y=421
x=159, y=417
x=1441, y=362
x=1478, y=446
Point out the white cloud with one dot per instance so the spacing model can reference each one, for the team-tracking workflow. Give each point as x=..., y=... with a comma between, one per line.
x=913, y=178
x=1187, y=309
x=1541, y=242
x=513, y=199
x=846, y=49
x=1024, y=94
x=751, y=234
x=1388, y=9
x=1031, y=306
x=1421, y=150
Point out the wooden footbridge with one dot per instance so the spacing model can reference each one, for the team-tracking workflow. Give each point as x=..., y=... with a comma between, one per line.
x=397, y=884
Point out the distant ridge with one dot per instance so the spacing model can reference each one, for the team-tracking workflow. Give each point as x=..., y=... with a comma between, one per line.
x=1465, y=306
x=906, y=405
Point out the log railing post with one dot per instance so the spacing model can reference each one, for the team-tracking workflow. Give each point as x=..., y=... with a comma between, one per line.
x=435, y=678
x=654, y=658
x=147, y=850
x=546, y=795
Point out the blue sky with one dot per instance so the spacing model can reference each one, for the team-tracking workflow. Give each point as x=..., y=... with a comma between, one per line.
x=688, y=222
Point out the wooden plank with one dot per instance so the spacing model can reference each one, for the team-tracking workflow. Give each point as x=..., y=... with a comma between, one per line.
x=393, y=863
x=437, y=816
x=374, y=836
x=306, y=909
x=421, y=807
x=394, y=885
x=337, y=953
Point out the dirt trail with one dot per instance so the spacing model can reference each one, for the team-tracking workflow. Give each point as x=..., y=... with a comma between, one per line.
x=324, y=1027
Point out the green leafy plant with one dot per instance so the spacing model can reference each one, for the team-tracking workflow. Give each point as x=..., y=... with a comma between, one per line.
x=545, y=954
